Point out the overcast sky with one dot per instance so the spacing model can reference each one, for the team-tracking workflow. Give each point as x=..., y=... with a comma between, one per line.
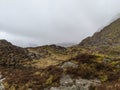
x=30, y=22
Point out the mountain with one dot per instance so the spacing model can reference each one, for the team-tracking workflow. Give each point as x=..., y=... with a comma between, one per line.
x=105, y=41
x=94, y=64
x=108, y=36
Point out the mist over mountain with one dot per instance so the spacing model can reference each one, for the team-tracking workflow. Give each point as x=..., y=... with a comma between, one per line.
x=106, y=41
x=109, y=36
x=59, y=44
x=48, y=22
x=93, y=64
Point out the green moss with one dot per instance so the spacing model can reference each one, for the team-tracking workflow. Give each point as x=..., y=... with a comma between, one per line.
x=50, y=80
x=103, y=78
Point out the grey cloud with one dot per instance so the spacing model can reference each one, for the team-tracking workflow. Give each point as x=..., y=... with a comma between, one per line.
x=54, y=21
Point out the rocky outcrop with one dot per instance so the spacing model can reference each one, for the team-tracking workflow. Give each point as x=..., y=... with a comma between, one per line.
x=67, y=83
x=69, y=64
x=48, y=50
x=2, y=87
x=11, y=55
x=33, y=55
x=106, y=41
x=108, y=36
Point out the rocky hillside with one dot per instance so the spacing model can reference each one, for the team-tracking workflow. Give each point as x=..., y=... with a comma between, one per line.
x=39, y=57
x=48, y=50
x=11, y=55
x=110, y=35
x=106, y=41
x=47, y=55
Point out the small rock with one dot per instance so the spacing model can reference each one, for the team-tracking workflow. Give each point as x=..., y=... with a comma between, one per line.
x=69, y=64
x=66, y=80
x=118, y=66
x=74, y=87
x=105, y=61
x=2, y=87
x=55, y=88
x=84, y=84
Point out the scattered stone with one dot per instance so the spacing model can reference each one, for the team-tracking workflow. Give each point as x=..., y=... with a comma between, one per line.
x=105, y=61
x=1, y=82
x=66, y=80
x=66, y=83
x=84, y=84
x=69, y=64
x=118, y=66
x=74, y=87
x=34, y=55
x=65, y=87
x=55, y=88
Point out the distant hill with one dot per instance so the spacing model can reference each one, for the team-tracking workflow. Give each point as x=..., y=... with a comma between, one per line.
x=66, y=44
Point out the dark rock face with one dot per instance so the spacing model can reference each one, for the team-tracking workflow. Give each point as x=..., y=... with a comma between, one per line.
x=4, y=42
x=11, y=55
